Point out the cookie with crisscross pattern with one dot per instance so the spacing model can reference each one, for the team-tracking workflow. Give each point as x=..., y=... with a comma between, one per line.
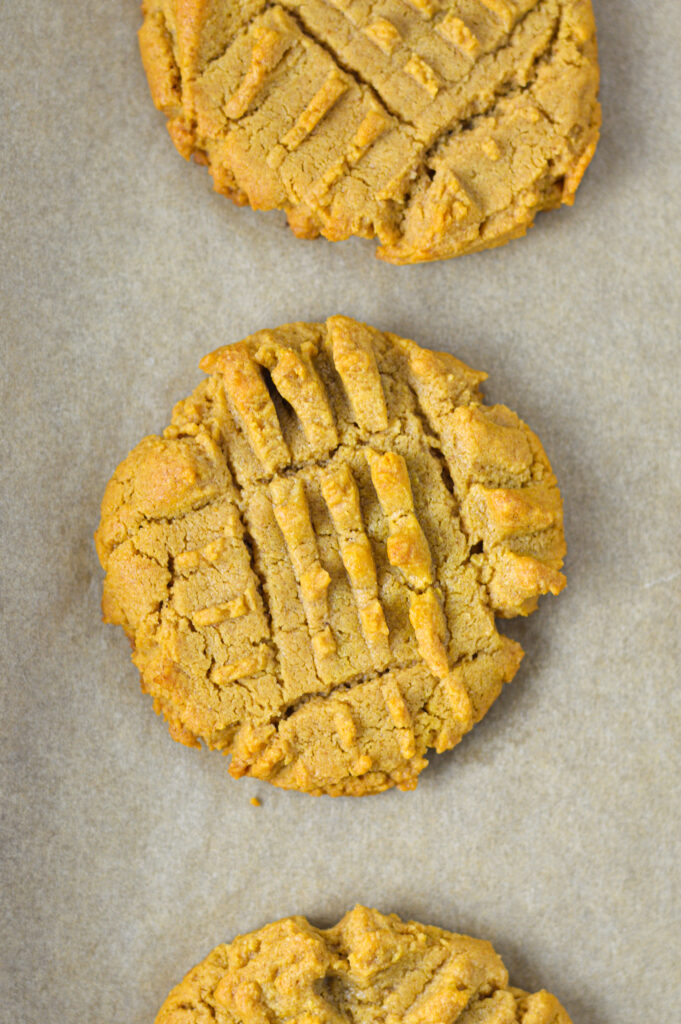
x=310, y=560
x=437, y=126
x=369, y=967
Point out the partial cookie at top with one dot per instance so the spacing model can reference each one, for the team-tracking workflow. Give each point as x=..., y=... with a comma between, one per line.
x=439, y=127
x=310, y=560
x=369, y=967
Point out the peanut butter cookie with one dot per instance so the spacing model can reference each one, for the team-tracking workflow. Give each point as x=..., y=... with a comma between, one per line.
x=367, y=968
x=309, y=562
x=438, y=126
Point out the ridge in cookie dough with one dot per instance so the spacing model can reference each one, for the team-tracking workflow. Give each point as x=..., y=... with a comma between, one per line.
x=369, y=967
x=309, y=561
x=439, y=127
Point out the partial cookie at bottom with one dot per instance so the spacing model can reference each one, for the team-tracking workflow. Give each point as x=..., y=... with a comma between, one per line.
x=369, y=967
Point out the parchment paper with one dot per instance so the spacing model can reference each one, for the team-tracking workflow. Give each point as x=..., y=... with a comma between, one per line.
x=553, y=829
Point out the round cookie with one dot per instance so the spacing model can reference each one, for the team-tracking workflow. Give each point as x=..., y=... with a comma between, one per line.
x=369, y=967
x=309, y=561
x=439, y=127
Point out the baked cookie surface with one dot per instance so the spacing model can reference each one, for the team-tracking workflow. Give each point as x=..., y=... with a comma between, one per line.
x=369, y=967
x=309, y=562
x=439, y=127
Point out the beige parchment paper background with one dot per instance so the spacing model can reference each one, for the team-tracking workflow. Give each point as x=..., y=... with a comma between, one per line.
x=553, y=830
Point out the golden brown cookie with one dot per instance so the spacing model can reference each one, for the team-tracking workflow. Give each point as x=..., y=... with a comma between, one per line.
x=368, y=968
x=308, y=563
x=438, y=126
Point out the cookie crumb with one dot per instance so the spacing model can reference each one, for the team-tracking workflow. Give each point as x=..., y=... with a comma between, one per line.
x=255, y=802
